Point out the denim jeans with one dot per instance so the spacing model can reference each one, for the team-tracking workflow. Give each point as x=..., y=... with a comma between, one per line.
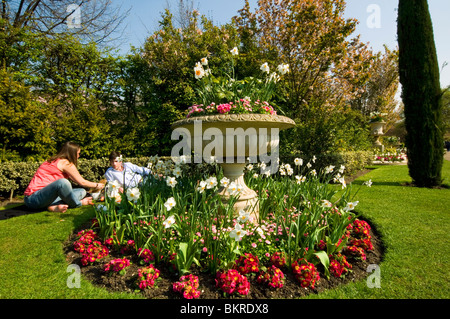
x=56, y=193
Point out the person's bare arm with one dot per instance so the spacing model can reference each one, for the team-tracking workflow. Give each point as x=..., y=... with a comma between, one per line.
x=75, y=176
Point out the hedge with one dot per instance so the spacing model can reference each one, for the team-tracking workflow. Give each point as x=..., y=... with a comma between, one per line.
x=15, y=176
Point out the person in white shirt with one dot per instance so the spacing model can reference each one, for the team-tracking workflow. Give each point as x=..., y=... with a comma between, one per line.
x=127, y=174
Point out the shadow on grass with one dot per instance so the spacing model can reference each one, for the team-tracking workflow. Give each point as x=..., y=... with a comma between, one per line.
x=15, y=210
x=402, y=184
x=20, y=209
x=82, y=216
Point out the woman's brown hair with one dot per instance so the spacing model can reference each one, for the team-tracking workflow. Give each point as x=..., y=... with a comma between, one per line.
x=68, y=151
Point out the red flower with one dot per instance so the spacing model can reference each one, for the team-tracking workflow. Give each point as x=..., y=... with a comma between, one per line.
x=273, y=277
x=361, y=229
x=247, y=264
x=86, y=236
x=188, y=286
x=147, y=277
x=355, y=251
x=278, y=259
x=117, y=265
x=90, y=252
x=305, y=273
x=364, y=243
x=339, y=265
x=232, y=282
x=146, y=255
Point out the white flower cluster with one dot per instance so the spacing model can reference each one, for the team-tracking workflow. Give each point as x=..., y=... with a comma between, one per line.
x=113, y=189
x=200, y=71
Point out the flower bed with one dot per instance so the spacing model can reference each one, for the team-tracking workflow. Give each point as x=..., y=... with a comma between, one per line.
x=388, y=157
x=180, y=240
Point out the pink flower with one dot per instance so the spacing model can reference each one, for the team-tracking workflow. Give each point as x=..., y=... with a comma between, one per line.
x=223, y=108
x=232, y=282
x=273, y=277
x=146, y=255
x=188, y=286
x=117, y=265
x=147, y=277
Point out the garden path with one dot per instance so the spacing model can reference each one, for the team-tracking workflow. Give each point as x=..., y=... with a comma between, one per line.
x=447, y=156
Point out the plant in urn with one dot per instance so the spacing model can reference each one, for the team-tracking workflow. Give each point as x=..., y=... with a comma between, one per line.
x=234, y=125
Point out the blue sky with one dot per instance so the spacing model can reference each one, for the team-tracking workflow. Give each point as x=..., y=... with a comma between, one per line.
x=377, y=21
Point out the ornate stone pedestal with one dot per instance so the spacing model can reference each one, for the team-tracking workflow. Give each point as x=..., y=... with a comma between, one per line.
x=232, y=139
x=376, y=129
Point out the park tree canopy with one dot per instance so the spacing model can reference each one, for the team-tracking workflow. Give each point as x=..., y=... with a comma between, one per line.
x=106, y=102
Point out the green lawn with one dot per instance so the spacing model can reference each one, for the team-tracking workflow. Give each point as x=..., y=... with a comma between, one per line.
x=413, y=222
x=415, y=226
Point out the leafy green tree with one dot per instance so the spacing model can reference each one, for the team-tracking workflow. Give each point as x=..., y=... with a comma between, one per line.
x=24, y=123
x=78, y=81
x=421, y=92
x=170, y=55
x=328, y=68
x=71, y=83
x=379, y=92
x=314, y=38
x=124, y=99
x=86, y=125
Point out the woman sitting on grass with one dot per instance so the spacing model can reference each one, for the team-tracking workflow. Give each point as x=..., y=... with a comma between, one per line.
x=50, y=186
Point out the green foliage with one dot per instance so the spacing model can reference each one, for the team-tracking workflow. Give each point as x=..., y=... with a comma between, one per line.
x=15, y=176
x=67, y=80
x=171, y=54
x=421, y=93
x=67, y=67
x=24, y=123
x=328, y=132
x=82, y=93
x=18, y=49
x=87, y=126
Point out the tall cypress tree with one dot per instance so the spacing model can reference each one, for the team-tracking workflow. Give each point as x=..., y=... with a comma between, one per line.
x=421, y=92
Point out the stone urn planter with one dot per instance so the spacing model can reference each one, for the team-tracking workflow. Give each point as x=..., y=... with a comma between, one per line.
x=376, y=129
x=234, y=140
